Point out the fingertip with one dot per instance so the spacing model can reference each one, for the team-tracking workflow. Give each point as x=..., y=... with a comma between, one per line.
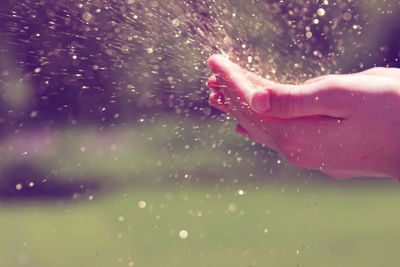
x=212, y=79
x=213, y=62
x=220, y=64
x=216, y=57
x=212, y=82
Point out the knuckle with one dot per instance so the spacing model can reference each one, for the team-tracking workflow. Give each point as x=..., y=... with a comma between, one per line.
x=376, y=70
x=289, y=102
x=335, y=83
x=379, y=68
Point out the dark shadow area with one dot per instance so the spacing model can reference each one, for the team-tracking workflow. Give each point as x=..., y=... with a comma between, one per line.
x=24, y=181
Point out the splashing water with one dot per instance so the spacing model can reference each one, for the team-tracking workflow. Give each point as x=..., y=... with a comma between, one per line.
x=108, y=58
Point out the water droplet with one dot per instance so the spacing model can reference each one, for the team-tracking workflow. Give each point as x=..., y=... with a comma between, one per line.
x=321, y=12
x=347, y=16
x=125, y=48
x=87, y=16
x=227, y=40
x=176, y=22
x=232, y=207
x=142, y=204
x=183, y=234
x=33, y=114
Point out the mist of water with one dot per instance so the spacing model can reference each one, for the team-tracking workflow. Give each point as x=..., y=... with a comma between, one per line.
x=110, y=53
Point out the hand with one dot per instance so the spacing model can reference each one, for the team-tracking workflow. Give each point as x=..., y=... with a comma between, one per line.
x=343, y=125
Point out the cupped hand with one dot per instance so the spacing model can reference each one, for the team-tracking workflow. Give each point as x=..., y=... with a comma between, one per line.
x=344, y=125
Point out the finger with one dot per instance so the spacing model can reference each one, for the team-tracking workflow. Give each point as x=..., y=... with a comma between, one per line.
x=327, y=97
x=284, y=101
x=232, y=78
x=258, y=81
x=219, y=64
x=212, y=83
x=217, y=100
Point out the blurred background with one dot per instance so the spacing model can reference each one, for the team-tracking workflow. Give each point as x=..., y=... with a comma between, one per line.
x=111, y=156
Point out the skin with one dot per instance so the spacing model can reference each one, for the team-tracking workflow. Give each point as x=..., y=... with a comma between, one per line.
x=343, y=125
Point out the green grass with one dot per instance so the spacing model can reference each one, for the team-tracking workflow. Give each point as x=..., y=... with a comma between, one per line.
x=286, y=217
x=325, y=226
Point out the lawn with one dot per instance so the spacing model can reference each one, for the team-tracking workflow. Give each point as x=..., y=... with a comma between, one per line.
x=188, y=196
x=266, y=226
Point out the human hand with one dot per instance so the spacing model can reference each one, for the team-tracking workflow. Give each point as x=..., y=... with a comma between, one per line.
x=343, y=125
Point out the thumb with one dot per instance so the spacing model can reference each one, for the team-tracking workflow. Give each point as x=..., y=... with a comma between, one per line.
x=325, y=97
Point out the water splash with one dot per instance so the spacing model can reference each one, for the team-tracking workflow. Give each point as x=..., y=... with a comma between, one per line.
x=102, y=57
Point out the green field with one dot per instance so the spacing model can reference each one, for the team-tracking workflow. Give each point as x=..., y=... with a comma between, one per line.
x=324, y=226
x=247, y=212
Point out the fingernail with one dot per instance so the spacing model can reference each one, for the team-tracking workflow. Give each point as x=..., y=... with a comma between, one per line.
x=260, y=102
